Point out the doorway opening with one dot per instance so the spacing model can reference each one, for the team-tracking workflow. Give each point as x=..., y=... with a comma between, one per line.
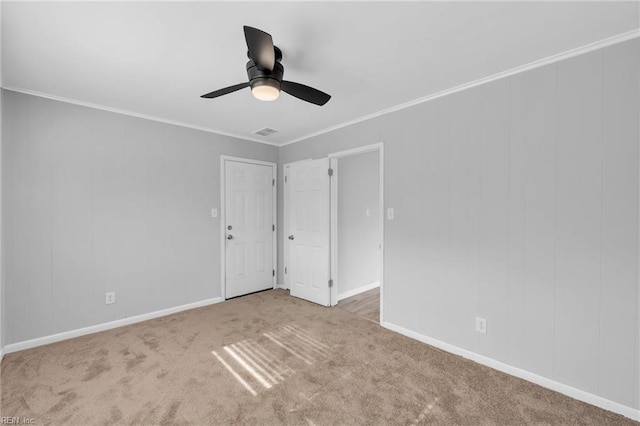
x=333, y=230
x=357, y=230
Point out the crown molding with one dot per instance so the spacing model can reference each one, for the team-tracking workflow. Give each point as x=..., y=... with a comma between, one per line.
x=512, y=71
x=133, y=114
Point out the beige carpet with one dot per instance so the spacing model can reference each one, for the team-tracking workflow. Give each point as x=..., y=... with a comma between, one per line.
x=269, y=359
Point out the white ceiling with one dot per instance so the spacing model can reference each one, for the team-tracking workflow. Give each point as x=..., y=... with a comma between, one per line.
x=156, y=59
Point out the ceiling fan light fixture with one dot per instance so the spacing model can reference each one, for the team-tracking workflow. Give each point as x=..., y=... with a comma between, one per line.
x=265, y=89
x=265, y=73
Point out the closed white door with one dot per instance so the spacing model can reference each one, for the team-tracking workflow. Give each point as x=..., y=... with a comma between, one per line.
x=249, y=228
x=309, y=231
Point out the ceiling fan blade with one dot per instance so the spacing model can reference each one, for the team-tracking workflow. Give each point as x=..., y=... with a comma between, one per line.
x=260, y=45
x=225, y=91
x=305, y=93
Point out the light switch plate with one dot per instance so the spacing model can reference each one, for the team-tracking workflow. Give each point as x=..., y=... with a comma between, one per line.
x=390, y=214
x=214, y=212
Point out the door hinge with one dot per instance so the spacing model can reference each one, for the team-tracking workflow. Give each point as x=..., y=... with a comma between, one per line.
x=330, y=172
x=273, y=182
x=330, y=283
x=285, y=179
x=285, y=269
x=273, y=227
x=273, y=272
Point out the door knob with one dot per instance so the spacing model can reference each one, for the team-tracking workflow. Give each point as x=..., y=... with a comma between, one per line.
x=291, y=237
x=229, y=237
x=229, y=227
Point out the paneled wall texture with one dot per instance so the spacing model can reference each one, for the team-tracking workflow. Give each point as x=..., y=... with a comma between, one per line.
x=517, y=201
x=97, y=202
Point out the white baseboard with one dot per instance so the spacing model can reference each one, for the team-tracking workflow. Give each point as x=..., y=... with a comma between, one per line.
x=1, y=354
x=572, y=392
x=358, y=290
x=27, y=344
x=280, y=285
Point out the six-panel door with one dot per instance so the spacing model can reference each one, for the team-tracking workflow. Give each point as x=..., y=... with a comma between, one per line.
x=309, y=230
x=248, y=228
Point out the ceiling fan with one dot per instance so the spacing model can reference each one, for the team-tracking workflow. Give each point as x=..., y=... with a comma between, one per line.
x=265, y=73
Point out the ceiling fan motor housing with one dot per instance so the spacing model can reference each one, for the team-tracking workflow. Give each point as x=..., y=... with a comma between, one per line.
x=260, y=77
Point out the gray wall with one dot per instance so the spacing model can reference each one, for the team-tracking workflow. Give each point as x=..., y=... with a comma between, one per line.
x=517, y=201
x=358, y=234
x=97, y=202
x=2, y=310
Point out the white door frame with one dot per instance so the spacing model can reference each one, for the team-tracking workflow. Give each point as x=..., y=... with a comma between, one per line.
x=223, y=248
x=334, y=217
x=285, y=221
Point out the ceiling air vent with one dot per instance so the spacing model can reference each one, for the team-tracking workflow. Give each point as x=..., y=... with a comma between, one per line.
x=265, y=132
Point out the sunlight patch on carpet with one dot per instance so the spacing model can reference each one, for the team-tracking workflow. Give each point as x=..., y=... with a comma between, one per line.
x=236, y=375
x=256, y=365
x=248, y=366
x=299, y=343
x=266, y=358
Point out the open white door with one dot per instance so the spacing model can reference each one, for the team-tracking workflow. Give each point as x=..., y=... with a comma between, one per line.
x=309, y=231
x=249, y=228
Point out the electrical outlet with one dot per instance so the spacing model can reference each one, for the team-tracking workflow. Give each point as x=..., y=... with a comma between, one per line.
x=481, y=325
x=110, y=297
